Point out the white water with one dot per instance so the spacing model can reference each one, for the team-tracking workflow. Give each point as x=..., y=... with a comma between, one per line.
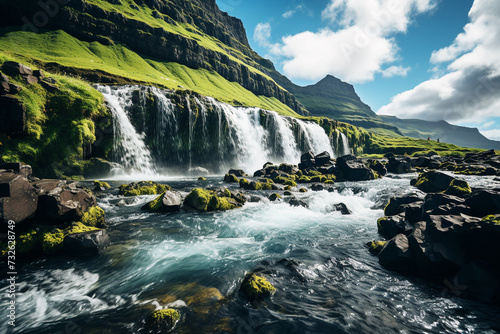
x=345, y=144
x=247, y=143
x=129, y=145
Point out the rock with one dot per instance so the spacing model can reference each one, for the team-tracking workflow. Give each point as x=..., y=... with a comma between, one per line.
x=62, y=201
x=18, y=168
x=169, y=201
x=231, y=178
x=322, y=159
x=375, y=247
x=378, y=167
x=267, y=164
x=256, y=286
x=413, y=212
x=12, y=115
x=30, y=79
x=4, y=84
x=142, y=188
x=432, y=201
x=484, y=202
x=287, y=168
x=307, y=161
x=39, y=74
x=297, y=202
x=342, y=208
x=458, y=188
x=399, y=165
x=18, y=198
x=273, y=197
x=354, y=169
x=162, y=321
x=258, y=173
x=317, y=187
x=389, y=227
x=434, y=182
x=238, y=172
x=197, y=171
x=101, y=186
x=398, y=205
x=206, y=200
x=97, y=167
x=396, y=255
x=201, y=178
x=12, y=69
x=86, y=243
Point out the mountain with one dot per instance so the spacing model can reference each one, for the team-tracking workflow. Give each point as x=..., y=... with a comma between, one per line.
x=446, y=132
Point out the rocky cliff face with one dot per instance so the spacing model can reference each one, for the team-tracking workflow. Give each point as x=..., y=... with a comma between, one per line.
x=197, y=35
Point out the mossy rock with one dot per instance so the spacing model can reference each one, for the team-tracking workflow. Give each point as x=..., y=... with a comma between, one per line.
x=163, y=320
x=273, y=197
x=376, y=246
x=313, y=173
x=267, y=186
x=432, y=181
x=256, y=286
x=231, y=178
x=492, y=219
x=458, y=188
x=99, y=185
x=318, y=178
x=329, y=182
x=254, y=185
x=290, y=183
x=280, y=179
x=287, y=193
x=304, y=179
x=288, y=188
x=94, y=217
x=303, y=190
x=206, y=200
x=201, y=178
x=142, y=188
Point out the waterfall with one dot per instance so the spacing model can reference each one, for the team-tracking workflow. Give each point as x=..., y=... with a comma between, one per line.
x=183, y=131
x=345, y=144
x=129, y=146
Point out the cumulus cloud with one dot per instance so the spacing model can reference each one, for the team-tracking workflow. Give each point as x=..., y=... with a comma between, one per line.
x=491, y=134
x=360, y=46
x=395, y=71
x=262, y=34
x=469, y=90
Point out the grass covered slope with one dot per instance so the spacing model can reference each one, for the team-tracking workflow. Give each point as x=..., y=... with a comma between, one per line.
x=60, y=51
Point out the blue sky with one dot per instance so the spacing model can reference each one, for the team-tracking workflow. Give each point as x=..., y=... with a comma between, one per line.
x=411, y=60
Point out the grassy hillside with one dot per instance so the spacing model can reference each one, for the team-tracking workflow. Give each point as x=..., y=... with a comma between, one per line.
x=62, y=52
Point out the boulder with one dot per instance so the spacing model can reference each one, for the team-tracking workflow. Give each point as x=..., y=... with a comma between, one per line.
x=389, y=227
x=433, y=182
x=86, y=243
x=97, y=167
x=399, y=165
x=297, y=202
x=231, y=178
x=307, y=161
x=484, y=202
x=62, y=201
x=12, y=115
x=238, y=172
x=398, y=205
x=322, y=159
x=18, y=198
x=197, y=171
x=342, y=208
x=169, y=201
x=354, y=169
x=12, y=69
x=396, y=255
x=413, y=212
x=317, y=187
x=378, y=167
x=4, y=84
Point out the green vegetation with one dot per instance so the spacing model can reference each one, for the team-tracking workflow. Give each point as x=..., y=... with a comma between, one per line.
x=94, y=217
x=376, y=246
x=256, y=286
x=493, y=219
x=207, y=200
x=274, y=196
x=164, y=319
x=458, y=188
x=142, y=188
x=101, y=185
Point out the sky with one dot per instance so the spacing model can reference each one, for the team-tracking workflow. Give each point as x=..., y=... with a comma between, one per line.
x=425, y=59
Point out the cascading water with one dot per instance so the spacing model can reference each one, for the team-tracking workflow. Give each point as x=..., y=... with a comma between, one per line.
x=188, y=130
x=345, y=144
x=129, y=145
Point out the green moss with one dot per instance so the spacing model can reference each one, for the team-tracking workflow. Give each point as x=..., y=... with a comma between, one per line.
x=142, y=188
x=205, y=200
x=305, y=179
x=267, y=186
x=155, y=204
x=256, y=286
x=201, y=178
x=100, y=184
x=313, y=173
x=493, y=219
x=280, y=180
x=288, y=188
x=290, y=183
x=303, y=190
x=53, y=242
x=94, y=217
x=244, y=183
x=458, y=188
x=231, y=178
x=165, y=317
x=376, y=246
x=318, y=178
x=329, y=182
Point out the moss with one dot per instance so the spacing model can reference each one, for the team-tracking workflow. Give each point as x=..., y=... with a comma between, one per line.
x=99, y=185
x=254, y=185
x=52, y=242
x=288, y=188
x=273, y=197
x=198, y=199
x=201, y=178
x=267, y=186
x=305, y=179
x=280, y=180
x=142, y=188
x=492, y=219
x=458, y=188
x=165, y=317
x=244, y=183
x=231, y=178
x=329, y=182
x=290, y=183
x=313, y=173
x=155, y=204
x=303, y=190
x=256, y=286
x=94, y=217
x=318, y=178
x=376, y=246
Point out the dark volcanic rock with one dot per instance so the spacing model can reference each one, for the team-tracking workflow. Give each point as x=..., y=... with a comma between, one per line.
x=354, y=169
x=86, y=243
x=484, y=202
x=169, y=201
x=433, y=182
x=12, y=115
x=389, y=227
x=396, y=255
x=322, y=159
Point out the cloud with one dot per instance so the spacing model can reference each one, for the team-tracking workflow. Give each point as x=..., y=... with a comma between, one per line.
x=359, y=46
x=491, y=134
x=289, y=13
x=395, y=71
x=262, y=34
x=469, y=88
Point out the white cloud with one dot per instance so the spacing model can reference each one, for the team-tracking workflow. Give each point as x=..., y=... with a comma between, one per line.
x=469, y=90
x=395, y=71
x=289, y=13
x=262, y=34
x=491, y=134
x=359, y=48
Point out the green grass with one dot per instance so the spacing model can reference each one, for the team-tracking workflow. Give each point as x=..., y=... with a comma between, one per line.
x=58, y=47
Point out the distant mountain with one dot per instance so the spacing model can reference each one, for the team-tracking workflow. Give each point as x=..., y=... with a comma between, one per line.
x=446, y=132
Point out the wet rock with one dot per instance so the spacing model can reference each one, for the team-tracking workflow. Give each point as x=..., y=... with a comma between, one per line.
x=433, y=182
x=375, y=247
x=231, y=178
x=256, y=286
x=322, y=159
x=275, y=196
x=297, y=202
x=317, y=187
x=484, y=202
x=398, y=205
x=341, y=207
x=238, y=172
x=162, y=321
x=307, y=161
x=18, y=198
x=390, y=226
x=399, y=165
x=169, y=201
x=142, y=188
x=86, y=243
x=378, y=167
x=396, y=255
x=354, y=169
x=61, y=201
